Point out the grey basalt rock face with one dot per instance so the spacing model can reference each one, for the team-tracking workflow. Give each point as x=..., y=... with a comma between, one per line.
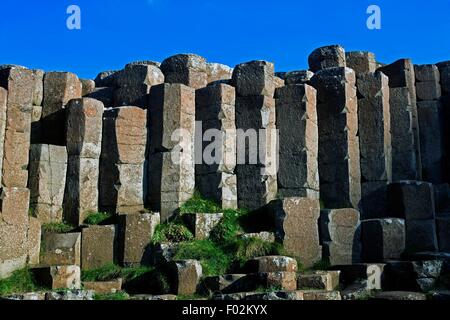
x=327, y=57
x=298, y=173
x=337, y=115
x=47, y=180
x=215, y=177
x=122, y=160
x=171, y=154
x=187, y=69
x=406, y=155
x=255, y=116
x=84, y=138
x=374, y=131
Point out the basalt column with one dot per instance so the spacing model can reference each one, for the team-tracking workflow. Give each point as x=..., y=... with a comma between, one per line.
x=121, y=184
x=171, y=165
x=256, y=168
x=298, y=174
x=431, y=122
x=406, y=161
x=375, y=143
x=339, y=156
x=84, y=138
x=216, y=144
x=18, y=232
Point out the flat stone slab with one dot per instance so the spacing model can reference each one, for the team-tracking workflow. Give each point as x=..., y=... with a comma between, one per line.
x=399, y=295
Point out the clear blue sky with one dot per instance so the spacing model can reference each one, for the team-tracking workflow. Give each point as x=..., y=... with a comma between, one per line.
x=114, y=32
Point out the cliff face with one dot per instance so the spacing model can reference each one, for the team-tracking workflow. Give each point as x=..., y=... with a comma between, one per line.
x=346, y=162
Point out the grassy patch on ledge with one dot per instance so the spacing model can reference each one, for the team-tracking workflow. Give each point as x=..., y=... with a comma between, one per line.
x=199, y=205
x=57, y=227
x=21, y=281
x=96, y=218
x=112, y=296
x=111, y=271
x=171, y=232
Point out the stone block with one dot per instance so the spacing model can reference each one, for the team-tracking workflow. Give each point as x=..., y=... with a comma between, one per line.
x=81, y=193
x=430, y=90
x=321, y=280
x=361, y=61
x=14, y=249
x=187, y=69
x=58, y=277
x=412, y=200
x=382, y=239
x=103, y=287
x=59, y=89
x=263, y=235
x=269, y=264
x=279, y=280
x=98, y=246
x=421, y=235
x=426, y=72
x=60, y=249
x=327, y=57
x=218, y=72
x=298, y=77
x=84, y=128
x=140, y=74
x=341, y=236
x=47, y=180
x=296, y=227
x=254, y=78
x=136, y=231
x=87, y=86
x=432, y=140
x=187, y=275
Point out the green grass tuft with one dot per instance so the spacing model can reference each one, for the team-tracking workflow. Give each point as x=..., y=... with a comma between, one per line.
x=171, y=232
x=213, y=258
x=199, y=205
x=21, y=281
x=57, y=227
x=112, y=296
x=229, y=227
x=247, y=249
x=111, y=271
x=96, y=218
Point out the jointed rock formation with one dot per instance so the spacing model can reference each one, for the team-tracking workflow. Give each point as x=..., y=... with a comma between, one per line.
x=347, y=164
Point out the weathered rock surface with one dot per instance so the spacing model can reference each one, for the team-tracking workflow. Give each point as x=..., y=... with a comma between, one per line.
x=98, y=246
x=337, y=115
x=201, y=224
x=341, y=236
x=327, y=57
x=59, y=249
x=136, y=231
x=298, y=174
x=47, y=181
x=171, y=158
x=187, y=274
x=296, y=226
x=58, y=277
x=188, y=69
